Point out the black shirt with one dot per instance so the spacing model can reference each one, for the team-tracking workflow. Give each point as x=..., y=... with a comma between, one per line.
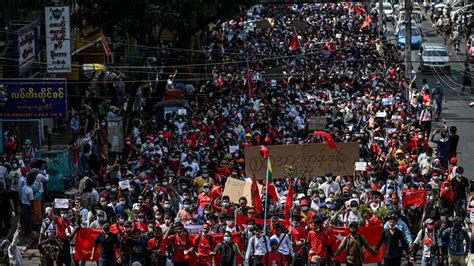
x=392, y=243
x=107, y=245
x=459, y=188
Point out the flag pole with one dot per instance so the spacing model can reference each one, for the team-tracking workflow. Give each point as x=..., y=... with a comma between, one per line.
x=266, y=199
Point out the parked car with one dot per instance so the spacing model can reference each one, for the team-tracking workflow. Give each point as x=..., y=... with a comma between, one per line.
x=387, y=10
x=470, y=49
x=435, y=57
x=463, y=10
x=416, y=37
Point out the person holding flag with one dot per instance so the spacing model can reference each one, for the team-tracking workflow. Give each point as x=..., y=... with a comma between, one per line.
x=393, y=239
x=108, y=242
x=353, y=244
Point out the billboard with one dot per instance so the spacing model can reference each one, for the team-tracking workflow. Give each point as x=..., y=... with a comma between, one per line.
x=27, y=47
x=33, y=98
x=58, y=39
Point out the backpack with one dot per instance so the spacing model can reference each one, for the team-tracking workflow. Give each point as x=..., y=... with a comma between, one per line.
x=227, y=254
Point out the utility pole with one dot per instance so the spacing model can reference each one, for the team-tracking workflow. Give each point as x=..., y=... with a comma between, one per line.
x=408, y=39
x=380, y=16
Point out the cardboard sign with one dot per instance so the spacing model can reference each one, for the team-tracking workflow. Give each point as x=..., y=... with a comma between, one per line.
x=275, y=73
x=265, y=23
x=361, y=166
x=317, y=123
x=299, y=25
x=61, y=203
x=236, y=188
x=308, y=160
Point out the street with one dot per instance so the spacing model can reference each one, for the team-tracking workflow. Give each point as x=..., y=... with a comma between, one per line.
x=456, y=111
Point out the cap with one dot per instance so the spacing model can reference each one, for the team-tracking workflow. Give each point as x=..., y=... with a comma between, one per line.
x=304, y=203
x=429, y=221
x=273, y=241
x=345, y=189
x=24, y=170
x=399, y=151
x=248, y=135
x=205, y=226
x=453, y=160
x=300, y=196
x=148, y=137
x=428, y=186
x=128, y=139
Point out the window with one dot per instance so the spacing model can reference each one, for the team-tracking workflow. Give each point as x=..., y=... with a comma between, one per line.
x=436, y=53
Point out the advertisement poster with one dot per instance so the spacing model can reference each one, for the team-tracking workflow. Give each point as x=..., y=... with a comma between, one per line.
x=58, y=39
x=33, y=98
x=27, y=47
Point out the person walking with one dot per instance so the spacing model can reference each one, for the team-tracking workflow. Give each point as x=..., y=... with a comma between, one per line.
x=353, y=244
x=428, y=239
x=259, y=246
x=108, y=243
x=228, y=251
x=438, y=96
x=454, y=238
x=393, y=238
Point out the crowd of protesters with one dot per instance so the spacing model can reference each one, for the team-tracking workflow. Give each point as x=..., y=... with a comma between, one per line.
x=170, y=173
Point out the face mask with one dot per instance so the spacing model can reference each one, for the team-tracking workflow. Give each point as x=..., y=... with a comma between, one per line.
x=167, y=221
x=322, y=196
x=166, y=206
x=108, y=187
x=205, y=175
x=319, y=180
x=189, y=173
x=229, y=223
x=226, y=204
x=195, y=216
x=184, y=186
x=158, y=216
x=250, y=227
x=227, y=238
x=186, y=206
x=305, y=208
x=128, y=142
x=122, y=202
x=353, y=208
x=121, y=220
x=127, y=229
x=14, y=166
x=64, y=216
x=141, y=220
x=164, y=184
x=113, y=189
x=329, y=179
x=206, y=190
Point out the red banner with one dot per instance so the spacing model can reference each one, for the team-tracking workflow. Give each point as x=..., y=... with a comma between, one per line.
x=413, y=197
x=372, y=234
x=241, y=221
x=85, y=239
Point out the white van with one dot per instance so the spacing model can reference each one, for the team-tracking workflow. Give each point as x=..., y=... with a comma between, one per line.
x=434, y=57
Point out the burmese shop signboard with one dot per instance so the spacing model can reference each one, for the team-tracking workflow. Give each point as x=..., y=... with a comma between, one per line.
x=32, y=98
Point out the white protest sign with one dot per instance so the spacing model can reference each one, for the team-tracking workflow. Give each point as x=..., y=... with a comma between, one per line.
x=233, y=149
x=360, y=166
x=124, y=184
x=182, y=112
x=61, y=203
x=381, y=114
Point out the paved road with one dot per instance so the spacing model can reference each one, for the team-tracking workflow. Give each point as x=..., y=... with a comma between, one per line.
x=456, y=111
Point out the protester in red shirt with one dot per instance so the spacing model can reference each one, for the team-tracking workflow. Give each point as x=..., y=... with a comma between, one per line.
x=204, y=198
x=274, y=258
x=203, y=246
x=318, y=240
x=181, y=244
x=157, y=247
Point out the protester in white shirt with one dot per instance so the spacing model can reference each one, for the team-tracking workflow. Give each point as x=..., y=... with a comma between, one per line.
x=285, y=246
x=258, y=246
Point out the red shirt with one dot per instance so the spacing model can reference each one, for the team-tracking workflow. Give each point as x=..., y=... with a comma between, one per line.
x=273, y=258
x=203, y=200
x=203, y=248
x=318, y=242
x=157, y=244
x=180, y=244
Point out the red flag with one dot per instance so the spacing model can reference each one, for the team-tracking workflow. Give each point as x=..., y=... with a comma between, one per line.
x=327, y=138
x=85, y=239
x=267, y=140
x=372, y=235
x=272, y=191
x=105, y=44
x=358, y=10
x=250, y=83
x=264, y=152
x=413, y=197
x=255, y=194
x=216, y=192
x=289, y=201
x=294, y=42
x=366, y=23
x=241, y=221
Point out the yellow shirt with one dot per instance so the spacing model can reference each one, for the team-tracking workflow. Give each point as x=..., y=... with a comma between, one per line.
x=199, y=181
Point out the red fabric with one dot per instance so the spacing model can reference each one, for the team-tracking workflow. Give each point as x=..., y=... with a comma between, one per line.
x=327, y=138
x=294, y=42
x=85, y=239
x=447, y=190
x=289, y=201
x=372, y=235
x=274, y=258
x=413, y=197
x=366, y=23
x=358, y=10
x=264, y=152
x=318, y=242
x=272, y=191
x=60, y=227
x=203, y=248
x=255, y=194
x=216, y=192
x=241, y=221
x=250, y=83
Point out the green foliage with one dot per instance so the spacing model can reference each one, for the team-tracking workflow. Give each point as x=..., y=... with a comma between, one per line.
x=382, y=213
